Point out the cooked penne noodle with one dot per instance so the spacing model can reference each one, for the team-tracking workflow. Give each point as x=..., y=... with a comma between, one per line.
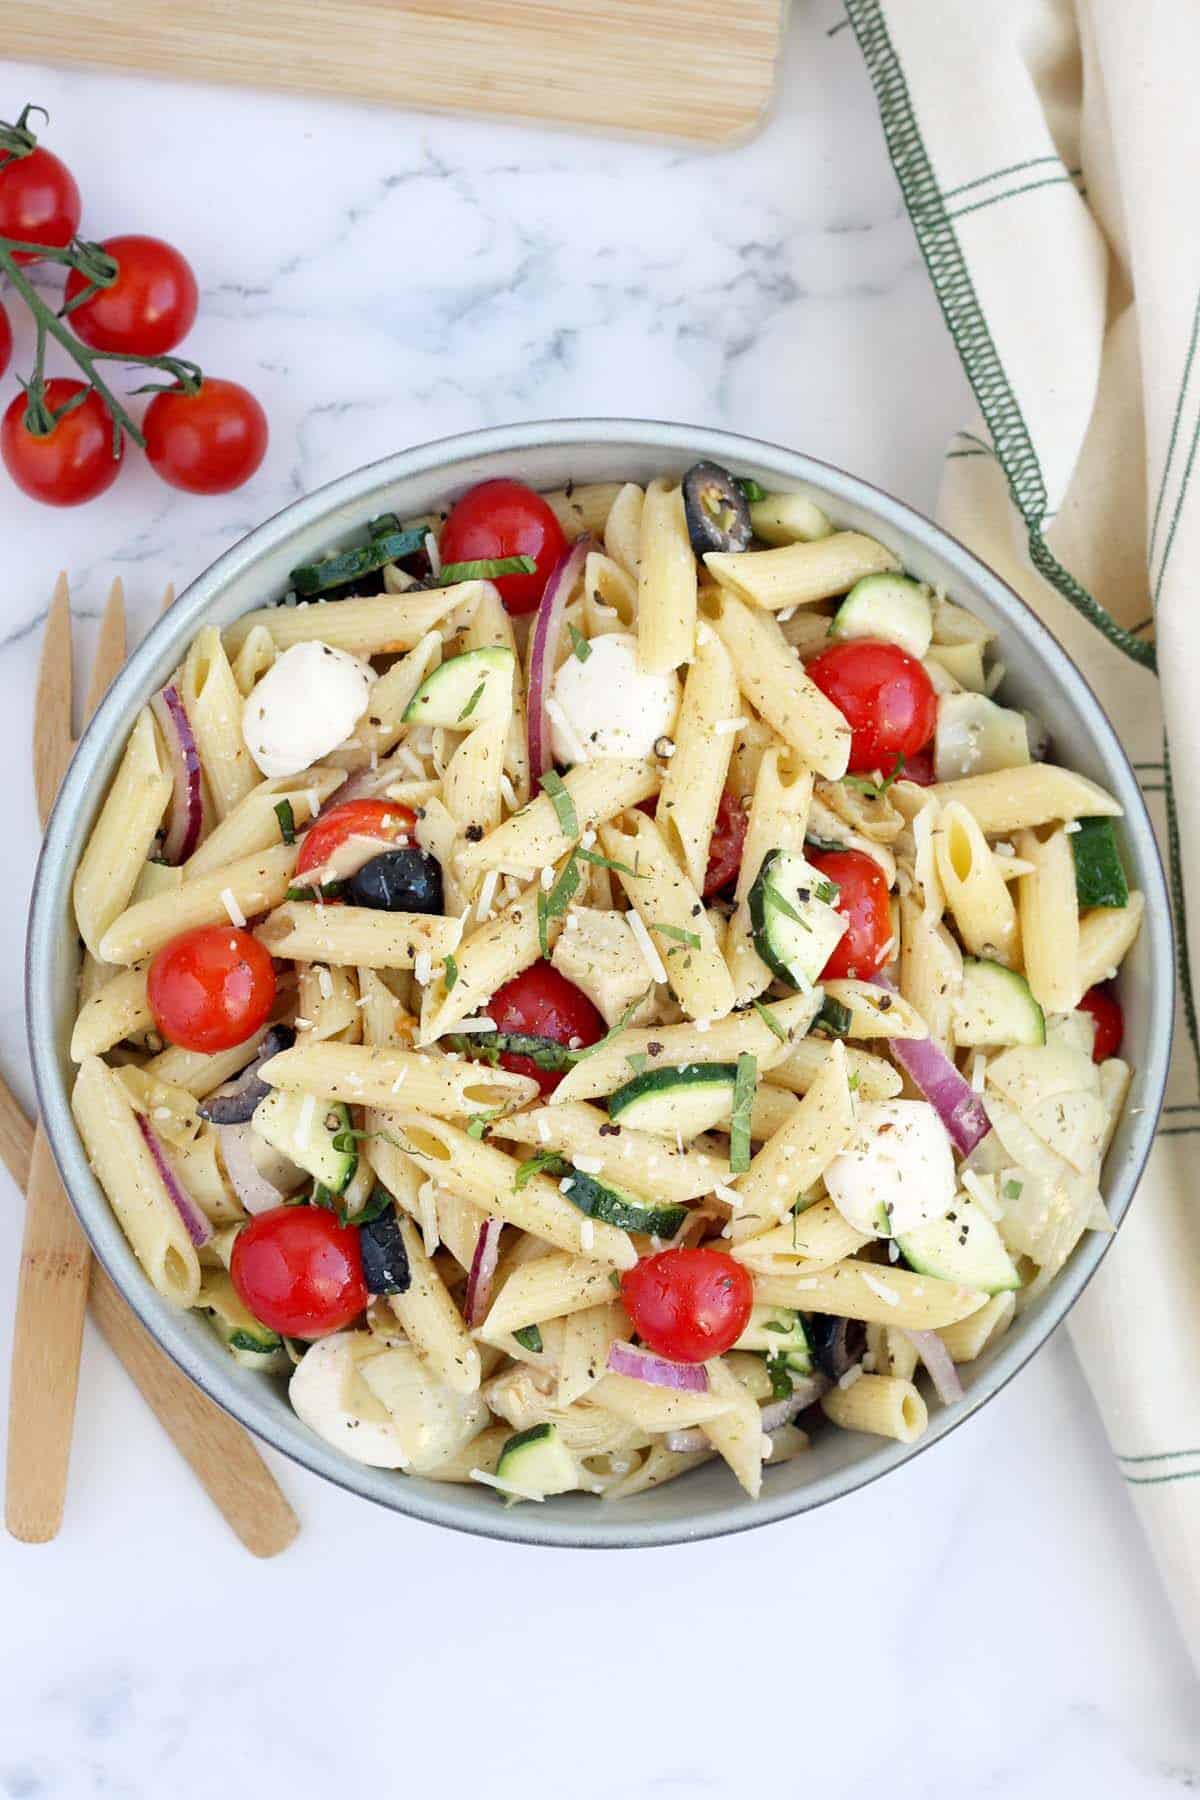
x=974, y=885
x=870, y=1076
x=623, y=527
x=817, y=1235
x=487, y=957
x=378, y=626
x=1023, y=798
x=122, y=837
x=549, y=1288
x=742, y=1034
x=254, y=824
x=350, y=935
x=374, y=1075
x=695, y=777
x=773, y=680
x=880, y=1404
x=535, y=836
x=1106, y=934
x=881, y=1296
x=382, y=725
x=120, y=1009
x=213, y=702
x=802, y=1150
x=628, y=1158
x=585, y=507
x=1050, y=921
x=670, y=908
x=875, y=1013
x=666, y=582
x=778, y=816
x=432, y=1323
x=239, y=891
x=801, y=573
x=971, y=1337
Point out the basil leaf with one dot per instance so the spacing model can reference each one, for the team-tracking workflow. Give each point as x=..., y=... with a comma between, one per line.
x=579, y=643
x=451, y=976
x=770, y=1021
x=681, y=937
x=744, y=1084
x=486, y=569
x=781, y=1380
x=564, y=806
x=874, y=790
x=751, y=489
x=542, y=1162
x=529, y=1338
x=472, y=703
x=287, y=821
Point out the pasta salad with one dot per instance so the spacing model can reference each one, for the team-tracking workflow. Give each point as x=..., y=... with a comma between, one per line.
x=599, y=981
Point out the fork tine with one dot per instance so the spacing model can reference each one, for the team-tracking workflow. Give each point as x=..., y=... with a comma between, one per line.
x=52, y=739
x=168, y=599
x=110, y=649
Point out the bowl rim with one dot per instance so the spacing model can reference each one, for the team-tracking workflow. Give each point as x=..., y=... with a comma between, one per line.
x=437, y=1503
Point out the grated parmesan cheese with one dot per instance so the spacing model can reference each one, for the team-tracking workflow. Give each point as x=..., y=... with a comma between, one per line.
x=434, y=554
x=304, y=1119
x=508, y=794
x=645, y=944
x=729, y=1195
x=324, y=982
x=727, y=727
x=229, y=902
x=589, y=1165
x=487, y=893
x=587, y=1235
x=399, y=1081
x=852, y=1375
x=505, y=1487
x=423, y=967
x=480, y=1023
x=881, y=1290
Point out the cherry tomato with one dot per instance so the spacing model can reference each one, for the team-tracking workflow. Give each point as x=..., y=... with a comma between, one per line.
x=505, y=518
x=919, y=767
x=299, y=1272
x=383, y=819
x=884, y=695
x=863, y=902
x=74, y=461
x=1105, y=1009
x=208, y=442
x=688, y=1304
x=540, y=1002
x=726, y=844
x=150, y=307
x=39, y=202
x=211, y=988
x=6, y=340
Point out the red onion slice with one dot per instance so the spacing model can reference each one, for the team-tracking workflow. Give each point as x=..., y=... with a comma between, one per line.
x=186, y=820
x=658, y=1371
x=547, y=629
x=938, y=1361
x=804, y=1392
x=256, y=1193
x=950, y=1094
x=195, y=1222
x=483, y=1271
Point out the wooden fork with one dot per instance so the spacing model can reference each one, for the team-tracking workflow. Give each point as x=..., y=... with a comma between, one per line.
x=56, y=1269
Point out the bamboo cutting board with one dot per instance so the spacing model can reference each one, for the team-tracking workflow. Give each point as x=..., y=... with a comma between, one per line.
x=694, y=69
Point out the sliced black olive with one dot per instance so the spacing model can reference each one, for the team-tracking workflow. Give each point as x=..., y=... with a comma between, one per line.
x=398, y=881
x=384, y=1258
x=717, y=511
x=837, y=1343
x=235, y=1100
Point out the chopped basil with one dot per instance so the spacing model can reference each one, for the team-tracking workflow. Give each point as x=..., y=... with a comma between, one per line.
x=481, y=1124
x=605, y=862
x=330, y=890
x=1012, y=1190
x=874, y=790
x=451, y=976
x=833, y=1020
x=744, y=1083
x=827, y=891
x=579, y=643
x=751, y=489
x=781, y=1381
x=553, y=904
x=787, y=909
x=377, y=1203
x=529, y=1338
x=472, y=703
x=611, y=1033
x=637, y=1062
x=383, y=525
x=682, y=937
x=486, y=569
x=258, y=1346
x=541, y=1162
x=287, y=821
x=554, y=786
x=770, y=1021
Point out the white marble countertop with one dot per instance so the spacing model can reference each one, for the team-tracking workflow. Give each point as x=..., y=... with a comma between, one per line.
x=985, y=1622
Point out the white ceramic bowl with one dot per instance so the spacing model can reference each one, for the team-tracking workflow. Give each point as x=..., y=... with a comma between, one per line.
x=707, y=1502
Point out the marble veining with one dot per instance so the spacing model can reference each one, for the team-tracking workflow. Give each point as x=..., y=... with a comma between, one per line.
x=986, y=1622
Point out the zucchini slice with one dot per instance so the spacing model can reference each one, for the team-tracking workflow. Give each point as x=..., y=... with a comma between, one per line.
x=304, y=1129
x=1099, y=873
x=894, y=609
x=794, y=918
x=778, y=1331
x=964, y=1247
x=350, y=565
x=688, y=1099
x=597, y=1200
x=996, y=1006
x=538, y=1462
x=465, y=691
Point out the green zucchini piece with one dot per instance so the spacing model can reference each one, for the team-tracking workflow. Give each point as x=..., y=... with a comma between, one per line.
x=892, y=608
x=465, y=690
x=833, y=1020
x=965, y=1247
x=538, y=1462
x=612, y=1206
x=778, y=1331
x=689, y=1099
x=996, y=1006
x=1099, y=874
x=794, y=918
x=310, y=1135
x=349, y=565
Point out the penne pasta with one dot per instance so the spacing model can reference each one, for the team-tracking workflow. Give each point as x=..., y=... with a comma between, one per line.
x=772, y=678
x=122, y=837
x=801, y=573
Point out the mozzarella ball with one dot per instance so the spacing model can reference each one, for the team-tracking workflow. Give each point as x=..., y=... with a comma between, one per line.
x=607, y=705
x=897, y=1172
x=306, y=704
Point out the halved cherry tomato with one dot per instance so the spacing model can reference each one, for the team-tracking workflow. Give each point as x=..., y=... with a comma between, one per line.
x=885, y=697
x=149, y=308
x=6, y=340
x=1105, y=1009
x=74, y=461
x=863, y=902
x=505, y=518
x=386, y=820
x=539, y=1002
x=299, y=1272
x=211, y=988
x=208, y=442
x=39, y=202
x=688, y=1304
x=726, y=844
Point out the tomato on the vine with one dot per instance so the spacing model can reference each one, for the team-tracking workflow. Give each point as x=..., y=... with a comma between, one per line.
x=299, y=1272
x=505, y=518
x=6, y=340
x=211, y=988
x=726, y=844
x=208, y=442
x=73, y=461
x=1105, y=1009
x=539, y=1002
x=386, y=820
x=885, y=697
x=39, y=202
x=147, y=310
x=688, y=1304
x=863, y=902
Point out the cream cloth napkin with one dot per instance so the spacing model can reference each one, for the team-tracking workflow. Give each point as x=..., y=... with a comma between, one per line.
x=1048, y=154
